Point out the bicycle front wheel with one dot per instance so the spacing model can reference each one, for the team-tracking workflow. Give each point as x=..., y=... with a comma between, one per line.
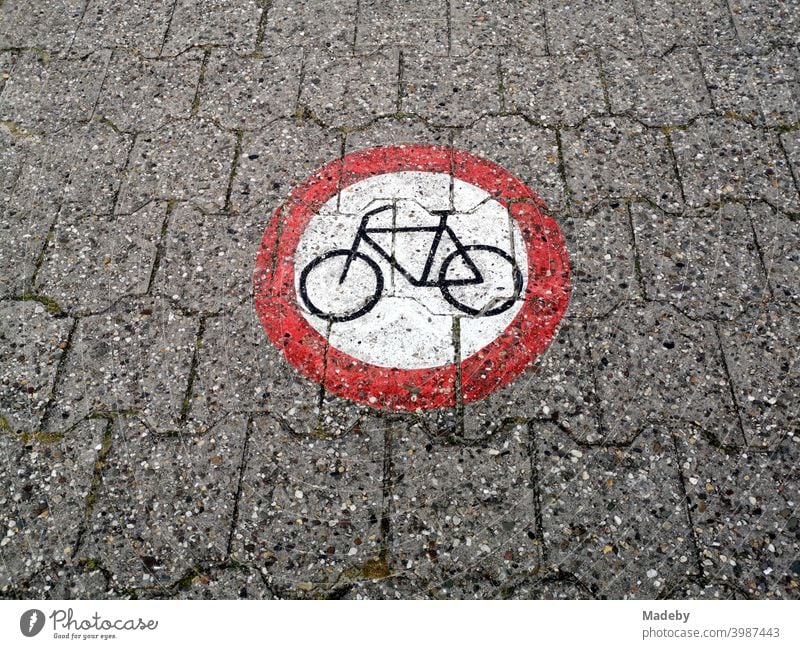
x=341, y=285
x=500, y=282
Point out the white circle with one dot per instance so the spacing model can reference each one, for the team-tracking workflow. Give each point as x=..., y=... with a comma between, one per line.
x=410, y=324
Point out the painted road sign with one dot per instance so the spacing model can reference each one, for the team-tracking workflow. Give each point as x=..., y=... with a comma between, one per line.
x=401, y=275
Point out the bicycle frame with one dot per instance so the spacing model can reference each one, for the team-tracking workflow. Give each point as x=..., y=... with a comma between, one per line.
x=439, y=231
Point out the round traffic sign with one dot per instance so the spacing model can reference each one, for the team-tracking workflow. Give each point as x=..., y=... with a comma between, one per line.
x=401, y=276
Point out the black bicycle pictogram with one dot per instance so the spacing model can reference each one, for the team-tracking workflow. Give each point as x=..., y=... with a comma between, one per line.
x=463, y=258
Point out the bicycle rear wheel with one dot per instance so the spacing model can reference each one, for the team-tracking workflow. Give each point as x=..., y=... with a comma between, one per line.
x=499, y=288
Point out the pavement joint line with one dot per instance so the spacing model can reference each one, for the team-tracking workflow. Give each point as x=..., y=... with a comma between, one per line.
x=97, y=480
x=603, y=80
x=169, y=27
x=687, y=504
x=60, y=365
x=160, y=245
x=760, y=251
x=562, y=171
x=43, y=250
x=449, y=25
x=240, y=480
x=501, y=88
x=704, y=75
x=533, y=458
x=637, y=261
x=400, y=83
x=675, y=166
x=356, y=19
x=387, y=491
x=188, y=396
x=731, y=385
x=237, y=153
x=266, y=6
x=201, y=78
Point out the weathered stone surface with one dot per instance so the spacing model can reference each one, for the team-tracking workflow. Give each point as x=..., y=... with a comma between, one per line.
x=722, y=159
x=706, y=267
x=46, y=95
x=45, y=481
x=188, y=161
x=249, y=92
x=32, y=343
x=619, y=158
x=614, y=518
x=134, y=357
x=310, y=509
x=92, y=261
x=144, y=94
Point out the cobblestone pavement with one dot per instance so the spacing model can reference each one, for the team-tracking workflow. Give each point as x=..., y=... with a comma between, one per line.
x=154, y=444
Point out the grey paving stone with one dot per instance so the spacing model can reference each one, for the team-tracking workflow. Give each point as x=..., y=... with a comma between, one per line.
x=668, y=23
x=144, y=94
x=724, y=158
x=295, y=23
x=231, y=24
x=460, y=509
x=347, y=90
x=235, y=582
x=310, y=509
x=763, y=25
x=602, y=263
x=744, y=514
x=482, y=24
x=76, y=168
x=763, y=88
x=558, y=386
x=450, y=91
x=92, y=261
x=413, y=25
x=23, y=234
x=239, y=369
x=698, y=588
x=707, y=267
x=584, y=24
x=32, y=341
x=615, y=518
x=14, y=149
x=69, y=580
x=7, y=60
x=207, y=260
x=791, y=145
x=44, y=484
x=761, y=354
x=779, y=243
x=553, y=89
x=619, y=158
x=405, y=130
x=87, y=162
x=528, y=152
x=657, y=90
x=250, y=92
x=654, y=365
x=183, y=160
x=554, y=586
x=275, y=159
x=45, y=95
x=164, y=505
x=47, y=25
x=134, y=357
x=137, y=25
x=386, y=588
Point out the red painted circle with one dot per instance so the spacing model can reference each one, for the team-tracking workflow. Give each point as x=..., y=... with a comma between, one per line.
x=495, y=365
